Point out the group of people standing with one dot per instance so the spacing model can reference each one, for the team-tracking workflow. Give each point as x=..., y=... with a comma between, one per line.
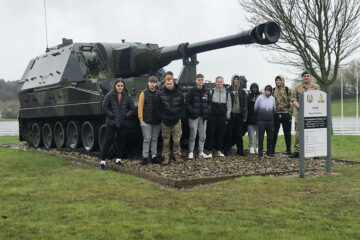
x=219, y=116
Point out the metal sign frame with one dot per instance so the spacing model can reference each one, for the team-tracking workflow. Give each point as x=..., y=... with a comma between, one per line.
x=302, y=135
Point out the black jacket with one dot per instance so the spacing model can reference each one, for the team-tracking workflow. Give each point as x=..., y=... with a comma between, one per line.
x=117, y=114
x=172, y=105
x=251, y=118
x=197, y=103
x=242, y=100
x=151, y=110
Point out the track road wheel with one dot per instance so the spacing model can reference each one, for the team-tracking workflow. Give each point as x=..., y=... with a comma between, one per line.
x=73, y=135
x=36, y=135
x=89, y=134
x=59, y=135
x=48, y=135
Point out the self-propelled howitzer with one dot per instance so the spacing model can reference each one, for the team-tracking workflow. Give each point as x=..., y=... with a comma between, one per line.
x=62, y=92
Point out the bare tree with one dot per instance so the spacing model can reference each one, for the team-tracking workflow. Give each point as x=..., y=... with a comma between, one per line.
x=316, y=34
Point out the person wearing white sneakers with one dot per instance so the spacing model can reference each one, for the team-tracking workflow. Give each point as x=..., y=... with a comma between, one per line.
x=221, y=106
x=198, y=109
x=118, y=107
x=251, y=117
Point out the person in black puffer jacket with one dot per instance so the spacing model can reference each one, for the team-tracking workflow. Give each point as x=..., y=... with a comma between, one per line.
x=172, y=109
x=198, y=109
x=118, y=107
x=251, y=117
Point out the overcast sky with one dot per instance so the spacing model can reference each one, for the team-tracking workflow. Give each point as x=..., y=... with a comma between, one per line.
x=166, y=22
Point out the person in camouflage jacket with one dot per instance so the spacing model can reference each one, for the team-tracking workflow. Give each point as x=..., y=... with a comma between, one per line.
x=284, y=112
x=306, y=85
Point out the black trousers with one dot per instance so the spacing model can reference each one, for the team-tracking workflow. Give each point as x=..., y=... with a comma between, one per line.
x=284, y=119
x=215, y=132
x=234, y=133
x=267, y=127
x=116, y=136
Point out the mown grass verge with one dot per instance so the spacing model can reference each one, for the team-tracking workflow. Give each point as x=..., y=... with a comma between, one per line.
x=9, y=139
x=44, y=197
x=349, y=107
x=345, y=147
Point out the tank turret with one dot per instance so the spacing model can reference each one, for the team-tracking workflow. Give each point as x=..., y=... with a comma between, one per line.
x=62, y=91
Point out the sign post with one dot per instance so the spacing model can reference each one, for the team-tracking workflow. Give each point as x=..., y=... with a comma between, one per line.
x=315, y=127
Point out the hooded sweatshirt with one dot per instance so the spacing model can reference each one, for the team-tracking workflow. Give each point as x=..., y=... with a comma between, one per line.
x=220, y=102
x=239, y=100
x=265, y=107
x=251, y=113
x=283, y=100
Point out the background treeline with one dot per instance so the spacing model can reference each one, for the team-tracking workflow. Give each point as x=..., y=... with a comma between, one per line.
x=9, y=101
x=348, y=74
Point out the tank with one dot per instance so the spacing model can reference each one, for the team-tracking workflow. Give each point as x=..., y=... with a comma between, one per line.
x=62, y=91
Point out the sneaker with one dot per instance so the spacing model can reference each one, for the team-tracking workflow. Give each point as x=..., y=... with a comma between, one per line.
x=240, y=152
x=204, y=155
x=154, y=160
x=289, y=153
x=295, y=155
x=210, y=155
x=102, y=165
x=165, y=161
x=220, y=154
x=144, y=162
x=269, y=155
x=191, y=155
x=260, y=156
x=252, y=150
x=118, y=162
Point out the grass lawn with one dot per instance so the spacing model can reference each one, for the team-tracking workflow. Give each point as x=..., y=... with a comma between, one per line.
x=9, y=139
x=8, y=119
x=343, y=147
x=43, y=197
x=349, y=107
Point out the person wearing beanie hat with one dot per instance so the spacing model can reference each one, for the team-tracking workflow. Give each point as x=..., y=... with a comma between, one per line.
x=306, y=85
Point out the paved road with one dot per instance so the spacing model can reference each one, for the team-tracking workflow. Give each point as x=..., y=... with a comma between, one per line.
x=345, y=126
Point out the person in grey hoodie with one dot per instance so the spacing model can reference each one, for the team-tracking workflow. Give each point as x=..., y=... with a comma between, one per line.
x=220, y=101
x=265, y=109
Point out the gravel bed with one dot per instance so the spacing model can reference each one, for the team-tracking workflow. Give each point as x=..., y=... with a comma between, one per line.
x=199, y=168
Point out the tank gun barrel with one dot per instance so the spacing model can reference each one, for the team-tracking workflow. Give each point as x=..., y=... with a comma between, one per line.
x=266, y=33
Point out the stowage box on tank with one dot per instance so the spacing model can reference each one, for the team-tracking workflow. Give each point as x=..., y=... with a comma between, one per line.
x=62, y=92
